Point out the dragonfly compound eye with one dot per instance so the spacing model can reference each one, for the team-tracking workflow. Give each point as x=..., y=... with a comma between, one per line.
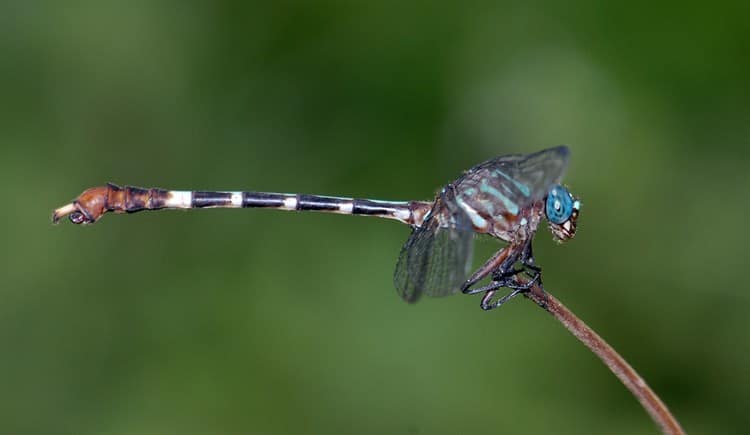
x=559, y=205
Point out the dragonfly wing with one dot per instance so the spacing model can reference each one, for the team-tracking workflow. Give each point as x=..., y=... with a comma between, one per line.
x=518, y=179
x=541, y=170
x=435, y=261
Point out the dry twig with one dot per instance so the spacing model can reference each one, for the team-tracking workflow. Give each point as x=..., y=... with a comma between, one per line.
x=624, y=372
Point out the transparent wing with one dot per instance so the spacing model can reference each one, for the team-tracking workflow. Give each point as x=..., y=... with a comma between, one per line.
x=524, y=179
x=541, y=170
x=435, y=260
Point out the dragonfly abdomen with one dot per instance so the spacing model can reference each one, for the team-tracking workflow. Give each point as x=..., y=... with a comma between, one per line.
x=94, y=202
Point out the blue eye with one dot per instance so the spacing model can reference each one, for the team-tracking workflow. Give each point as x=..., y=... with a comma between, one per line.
x=559, y=205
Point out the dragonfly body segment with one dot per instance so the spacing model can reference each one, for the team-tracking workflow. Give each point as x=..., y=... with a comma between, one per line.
x=505, y=197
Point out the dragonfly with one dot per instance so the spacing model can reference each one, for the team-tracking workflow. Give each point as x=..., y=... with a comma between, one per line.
x=506, y=198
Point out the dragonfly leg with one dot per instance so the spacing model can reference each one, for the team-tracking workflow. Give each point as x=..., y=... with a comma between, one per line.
x=491, y=287
x=517, y=289
x=536, y=279
x=499, y=279
x=527, y=260
x=487, y=305
x=527, y=257
x=503, y=259
x=500, y=267
x=505, y=274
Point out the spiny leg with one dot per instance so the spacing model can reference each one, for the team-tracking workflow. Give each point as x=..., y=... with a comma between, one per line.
x=517, y=289
x=527, y=259
x=530, y=269
x=491, y=287
x=496, y=262
x=486, y=305
x=500, y=266
x=499, y=279
x=504, y=275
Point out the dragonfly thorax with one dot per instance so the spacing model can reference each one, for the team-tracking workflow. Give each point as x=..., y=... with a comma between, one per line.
x=493, y=200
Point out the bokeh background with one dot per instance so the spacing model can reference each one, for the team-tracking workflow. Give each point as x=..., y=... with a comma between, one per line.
x=265, y=322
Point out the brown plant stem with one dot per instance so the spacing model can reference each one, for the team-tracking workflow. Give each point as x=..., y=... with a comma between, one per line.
x=624, y=372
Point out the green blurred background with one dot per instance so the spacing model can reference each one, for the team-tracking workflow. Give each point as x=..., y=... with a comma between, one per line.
x=257, y=321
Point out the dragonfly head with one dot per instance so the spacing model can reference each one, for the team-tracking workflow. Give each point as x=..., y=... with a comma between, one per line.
x=561, y=209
